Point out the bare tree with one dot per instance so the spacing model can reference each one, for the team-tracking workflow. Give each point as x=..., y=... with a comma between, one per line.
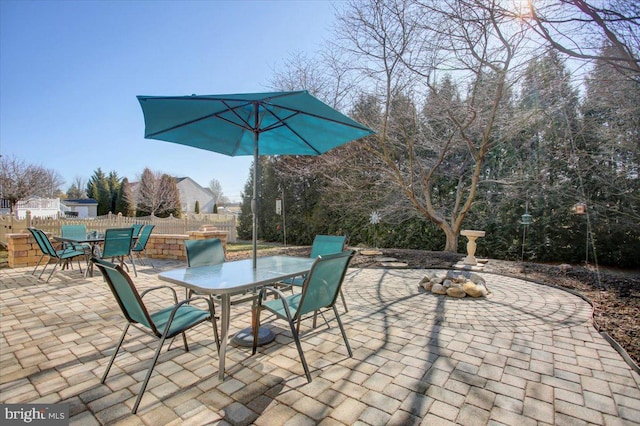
x=77, y=189
x=402, y=47
x=579, y=29
x=327, y=76
x=157, y=194
x=216, y=188
x=20, y=180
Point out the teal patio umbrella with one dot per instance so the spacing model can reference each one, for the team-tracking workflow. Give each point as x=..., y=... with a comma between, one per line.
x=275, y=123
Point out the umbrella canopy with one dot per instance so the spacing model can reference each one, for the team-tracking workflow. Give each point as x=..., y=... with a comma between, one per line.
x=276, y=123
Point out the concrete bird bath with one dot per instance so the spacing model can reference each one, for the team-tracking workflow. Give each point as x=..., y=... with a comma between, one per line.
x=471, y=245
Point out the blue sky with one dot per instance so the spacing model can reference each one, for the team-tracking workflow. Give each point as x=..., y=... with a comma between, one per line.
x=70, y=72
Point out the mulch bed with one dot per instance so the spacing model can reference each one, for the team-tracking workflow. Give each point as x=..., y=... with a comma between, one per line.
x=615, y=294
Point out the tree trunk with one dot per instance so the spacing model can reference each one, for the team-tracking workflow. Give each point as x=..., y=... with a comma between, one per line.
x=451, y=244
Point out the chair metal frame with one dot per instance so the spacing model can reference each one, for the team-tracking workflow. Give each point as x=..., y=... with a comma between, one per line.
x=117, y=245
x=137, y=227
x=159, y=324
x=141, y=244
x=298, y=306
x=322, y=245
x=64, y=255
x=205, y=252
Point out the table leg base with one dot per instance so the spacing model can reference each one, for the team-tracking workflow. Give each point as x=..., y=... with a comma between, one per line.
x=245, y=337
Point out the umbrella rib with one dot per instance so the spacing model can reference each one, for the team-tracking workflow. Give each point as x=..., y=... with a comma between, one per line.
x=216, y=114
x=321, y=117
x=282, y=123
x=248, y=125
x=178, y=126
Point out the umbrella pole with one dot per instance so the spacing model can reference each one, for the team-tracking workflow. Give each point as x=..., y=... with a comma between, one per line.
x=254, y=207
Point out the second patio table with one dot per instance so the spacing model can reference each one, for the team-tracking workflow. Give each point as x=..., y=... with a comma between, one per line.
x=229, y=278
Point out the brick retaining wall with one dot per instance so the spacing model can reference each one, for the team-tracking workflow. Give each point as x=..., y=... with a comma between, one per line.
x=23, y=250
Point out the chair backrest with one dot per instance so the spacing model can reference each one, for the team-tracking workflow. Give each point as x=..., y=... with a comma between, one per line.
x=327, y=244
x=117, y=242
x=125, y=293
x=204, y=252
x=137, y=227
x=143, y=237
x=43, y=242
x=74, y=231
x=323, y=283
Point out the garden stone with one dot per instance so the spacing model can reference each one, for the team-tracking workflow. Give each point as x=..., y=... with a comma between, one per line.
x=438, y=289
x=456, y=292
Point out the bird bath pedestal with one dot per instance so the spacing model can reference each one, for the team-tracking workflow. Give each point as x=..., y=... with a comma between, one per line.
x=471, y=245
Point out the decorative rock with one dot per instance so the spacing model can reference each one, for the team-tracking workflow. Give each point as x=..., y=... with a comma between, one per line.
x=454, y=283
x=472, y=289
x=426, y=283
x=371, y=253
x=483, y=289
x=438, y=289
x=430, y=275
x=394, y=265
x=565, y=267
x=456, y=292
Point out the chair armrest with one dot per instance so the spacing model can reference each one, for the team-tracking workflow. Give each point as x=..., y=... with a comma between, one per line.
x=149, y=290
x=192, y=299
x=281, y=296
x=265, y=290
x=182, y=303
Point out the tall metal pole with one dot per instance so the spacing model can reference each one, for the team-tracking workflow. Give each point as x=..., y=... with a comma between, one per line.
x=586, y=255
x=284, y=221
x=524, y=235
x=254, y=206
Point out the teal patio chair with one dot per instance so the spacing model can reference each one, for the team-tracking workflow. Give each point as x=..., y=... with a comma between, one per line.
x=117, y=245
x=78, y=232
x=74, y=231
x=203, y=253
x=141, y=243
x=64, y=255
x=319, y=293
x=166, y=323
x=137, y=227
x=322, y=245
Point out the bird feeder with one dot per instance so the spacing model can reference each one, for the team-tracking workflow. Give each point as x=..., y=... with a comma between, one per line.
x=526, y=219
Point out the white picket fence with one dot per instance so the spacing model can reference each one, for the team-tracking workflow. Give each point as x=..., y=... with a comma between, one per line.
x=38, y=207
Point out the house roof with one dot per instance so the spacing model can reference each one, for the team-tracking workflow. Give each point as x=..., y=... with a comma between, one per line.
x=79, y=201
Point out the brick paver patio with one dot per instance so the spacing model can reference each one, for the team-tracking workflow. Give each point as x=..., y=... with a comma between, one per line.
x=526, y=355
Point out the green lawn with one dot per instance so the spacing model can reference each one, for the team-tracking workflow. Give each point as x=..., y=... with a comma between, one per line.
x=246, y=246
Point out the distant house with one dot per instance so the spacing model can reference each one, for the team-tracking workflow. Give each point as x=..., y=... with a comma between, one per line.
x=81, y=207
x=190, y=192
x=38, y=206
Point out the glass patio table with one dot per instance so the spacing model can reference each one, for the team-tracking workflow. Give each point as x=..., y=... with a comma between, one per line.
x=229, y=278
x=94, y=239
